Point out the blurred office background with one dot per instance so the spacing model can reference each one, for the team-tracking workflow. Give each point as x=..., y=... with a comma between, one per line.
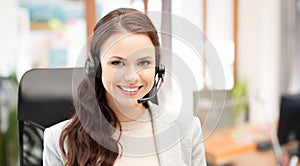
x=257, y=42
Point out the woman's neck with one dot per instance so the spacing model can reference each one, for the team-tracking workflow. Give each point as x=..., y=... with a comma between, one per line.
x=126, y=113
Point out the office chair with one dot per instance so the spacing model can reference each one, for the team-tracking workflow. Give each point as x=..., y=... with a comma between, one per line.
x=45, y=98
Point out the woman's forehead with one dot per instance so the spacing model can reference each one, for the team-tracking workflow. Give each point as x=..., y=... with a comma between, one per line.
x=128, y=45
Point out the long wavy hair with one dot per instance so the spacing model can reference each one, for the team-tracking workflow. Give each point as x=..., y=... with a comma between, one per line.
x=82, y=140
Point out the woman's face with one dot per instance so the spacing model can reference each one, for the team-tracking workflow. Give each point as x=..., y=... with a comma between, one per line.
x=128, y=68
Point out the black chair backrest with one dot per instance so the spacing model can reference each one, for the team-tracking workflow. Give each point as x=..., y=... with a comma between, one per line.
x=45, y=98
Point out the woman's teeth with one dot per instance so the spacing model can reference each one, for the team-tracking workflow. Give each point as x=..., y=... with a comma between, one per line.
x=129, y=89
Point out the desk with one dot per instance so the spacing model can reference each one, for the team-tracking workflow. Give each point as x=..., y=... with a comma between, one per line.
x=243, y=152
x=257, y=158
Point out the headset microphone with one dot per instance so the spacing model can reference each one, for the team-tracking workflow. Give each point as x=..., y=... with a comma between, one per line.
x=160, y=80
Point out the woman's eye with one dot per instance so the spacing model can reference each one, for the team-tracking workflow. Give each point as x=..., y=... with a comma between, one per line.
x=117, y=63
x=144, y=63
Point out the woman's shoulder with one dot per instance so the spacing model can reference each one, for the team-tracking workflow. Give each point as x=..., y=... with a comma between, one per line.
x=172, y=116
x=52, y=154
x=59, y=125
x=162, y=114
x=55, y=130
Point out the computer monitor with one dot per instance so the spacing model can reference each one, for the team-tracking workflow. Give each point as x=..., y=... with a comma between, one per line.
x=289, y=119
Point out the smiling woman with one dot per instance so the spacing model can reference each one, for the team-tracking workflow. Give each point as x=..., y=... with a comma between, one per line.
x=115, y=122
x=129, y=69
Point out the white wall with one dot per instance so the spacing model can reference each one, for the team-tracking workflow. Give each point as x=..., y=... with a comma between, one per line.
x=8, y=4
x=259, y=53
x=14, y=36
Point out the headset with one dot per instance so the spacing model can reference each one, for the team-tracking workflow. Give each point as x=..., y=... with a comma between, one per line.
x=91, y=66
x=92, y=69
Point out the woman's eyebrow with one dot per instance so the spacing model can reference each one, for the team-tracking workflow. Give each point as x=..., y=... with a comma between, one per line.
x=146, y=57
x=118, y=57
x=121, y=58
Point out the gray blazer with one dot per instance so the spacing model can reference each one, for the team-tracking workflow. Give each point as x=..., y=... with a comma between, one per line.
x=178, y=140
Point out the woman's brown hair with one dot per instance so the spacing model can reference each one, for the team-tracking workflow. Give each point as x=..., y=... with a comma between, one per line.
x=82, y=140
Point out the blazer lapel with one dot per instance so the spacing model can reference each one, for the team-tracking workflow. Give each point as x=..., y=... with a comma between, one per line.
x=167, y=136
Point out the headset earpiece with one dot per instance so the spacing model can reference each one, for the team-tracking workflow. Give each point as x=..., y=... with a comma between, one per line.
x=92, y=65
x=160, y=76
x=161, y=72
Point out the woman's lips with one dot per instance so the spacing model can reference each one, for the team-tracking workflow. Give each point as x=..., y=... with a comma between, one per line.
x=129, y=90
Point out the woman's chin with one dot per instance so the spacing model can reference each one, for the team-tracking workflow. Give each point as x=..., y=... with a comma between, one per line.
x=128, y=102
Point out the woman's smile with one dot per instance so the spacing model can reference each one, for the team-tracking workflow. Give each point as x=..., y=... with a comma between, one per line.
x=129, y=90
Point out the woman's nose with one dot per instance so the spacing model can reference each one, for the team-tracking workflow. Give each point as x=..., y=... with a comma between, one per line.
x=131, y=75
